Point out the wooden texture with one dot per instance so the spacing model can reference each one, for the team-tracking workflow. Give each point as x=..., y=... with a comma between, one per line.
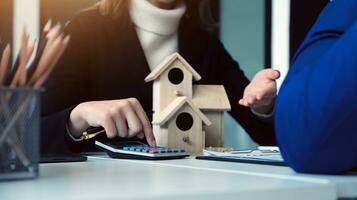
x=211, y=97
x=156, y=97
x=162, y=117
x=161, y=135
x=195, y=143
x=214, y=132
x=170, y=99
x=172, y=109
x=167, y=63
x=168, y=91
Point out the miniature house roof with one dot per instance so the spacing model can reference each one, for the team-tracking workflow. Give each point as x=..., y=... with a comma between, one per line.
x=211, y=97
x=173, y=107
x=167, y=62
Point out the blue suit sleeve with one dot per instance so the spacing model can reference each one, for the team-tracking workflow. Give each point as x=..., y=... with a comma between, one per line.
x=316, y=109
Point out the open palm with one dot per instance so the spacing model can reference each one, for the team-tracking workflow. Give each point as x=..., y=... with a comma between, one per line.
x=261, y=92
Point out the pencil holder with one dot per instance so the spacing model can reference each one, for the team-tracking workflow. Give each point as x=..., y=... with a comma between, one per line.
x=19, y=133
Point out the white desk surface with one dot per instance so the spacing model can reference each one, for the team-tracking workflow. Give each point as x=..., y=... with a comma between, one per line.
x=346, y=185
x=176, y=179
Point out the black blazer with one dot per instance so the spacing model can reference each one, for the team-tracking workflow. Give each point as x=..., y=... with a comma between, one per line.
x=105, y=60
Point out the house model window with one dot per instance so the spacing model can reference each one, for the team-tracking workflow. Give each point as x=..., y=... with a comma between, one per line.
x=176, y=76
x=185, y=115
x=184, y=121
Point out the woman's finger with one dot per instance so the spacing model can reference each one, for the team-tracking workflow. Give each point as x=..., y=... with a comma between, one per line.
x=243, y=102
x=134, y=123
x=109, y=126
x=259, y=96
x=120, y=123
x=141, y=135
x=251, y=99
x=146, y=125
x=271, y=74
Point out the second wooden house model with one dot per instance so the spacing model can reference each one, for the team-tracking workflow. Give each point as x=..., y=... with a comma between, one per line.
x=185, y=115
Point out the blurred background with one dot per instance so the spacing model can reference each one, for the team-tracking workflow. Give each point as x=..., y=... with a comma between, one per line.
x=257, y=33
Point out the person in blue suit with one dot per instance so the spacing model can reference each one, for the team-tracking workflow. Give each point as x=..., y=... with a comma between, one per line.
x=316, y=108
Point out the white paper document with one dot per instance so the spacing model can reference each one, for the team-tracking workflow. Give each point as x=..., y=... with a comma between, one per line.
x=261, y=154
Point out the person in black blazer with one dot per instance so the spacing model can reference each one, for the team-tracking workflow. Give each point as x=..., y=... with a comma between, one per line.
x=114, y=46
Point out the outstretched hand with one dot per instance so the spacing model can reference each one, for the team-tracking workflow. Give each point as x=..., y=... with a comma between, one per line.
x=261, y=92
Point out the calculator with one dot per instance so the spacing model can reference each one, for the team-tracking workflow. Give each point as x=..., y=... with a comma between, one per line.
x=138, y=150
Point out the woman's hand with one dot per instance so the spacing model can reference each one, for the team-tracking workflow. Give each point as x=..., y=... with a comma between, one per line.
x=124, y=118
x=261, y=92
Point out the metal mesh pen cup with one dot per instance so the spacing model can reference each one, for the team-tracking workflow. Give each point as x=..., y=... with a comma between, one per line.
x=19, y=133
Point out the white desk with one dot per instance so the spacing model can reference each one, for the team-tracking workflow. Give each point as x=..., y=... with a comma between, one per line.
x=346, y=185
x=179, y=179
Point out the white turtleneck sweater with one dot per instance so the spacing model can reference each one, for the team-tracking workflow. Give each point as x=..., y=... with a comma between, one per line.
x=157, y=29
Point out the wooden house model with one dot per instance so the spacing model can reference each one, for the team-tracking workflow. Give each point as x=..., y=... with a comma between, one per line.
x=184, y=124
x=185, y=115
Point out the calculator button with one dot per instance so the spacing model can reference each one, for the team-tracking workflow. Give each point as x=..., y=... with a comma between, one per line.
x=163, y=151
x=153, y=151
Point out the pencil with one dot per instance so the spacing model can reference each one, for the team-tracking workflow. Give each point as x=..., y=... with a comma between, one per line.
x=40, y=49
x=5, y=59
x=56, y=56
x=25, y=54
x=52, y=36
